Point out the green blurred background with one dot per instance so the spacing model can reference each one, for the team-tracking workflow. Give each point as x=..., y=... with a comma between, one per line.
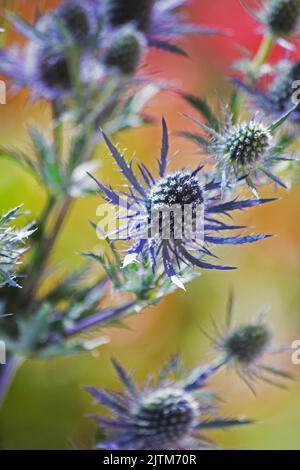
x=47, y=406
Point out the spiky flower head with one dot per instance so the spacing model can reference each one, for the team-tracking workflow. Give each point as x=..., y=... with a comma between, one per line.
x=247, y=343
x=280, y=89
x=125, y=51
x=244, y=347
x=165, y=416
x=177, y=188
x=246, y=151
x=73, y=23
x=79, y=19
x=282, y=16
x=53, y=70
x=171, y=220
x=247, y=143
x=122, y=12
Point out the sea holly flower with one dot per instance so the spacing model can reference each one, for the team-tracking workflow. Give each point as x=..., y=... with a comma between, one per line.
x=273, y=94
x=12, y=246
x=125, y=51
x=247, y=151
x=73, y=20
x=81, y=20
x=244, y=348
x=173, y=218
x=164, y=416
x=160, y=20
x=61, y=45
x=281, y=18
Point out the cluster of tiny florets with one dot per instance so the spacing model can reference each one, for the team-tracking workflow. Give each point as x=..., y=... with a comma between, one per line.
x=76, y=20
x=247, y=142
x=125, y=52
x=177, y=188
x=54, y=69
x=247, y=343
x=165, y=416
x=282, y=16
x=121, y=12
x=51, y=62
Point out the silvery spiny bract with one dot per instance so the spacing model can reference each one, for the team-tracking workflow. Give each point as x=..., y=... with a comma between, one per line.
x=280, y=17
x=247, y=151
x=273, y=94
x=193, y=204
x=168, y=416
x=12, y=246
x=244, y=348
x=80, y=19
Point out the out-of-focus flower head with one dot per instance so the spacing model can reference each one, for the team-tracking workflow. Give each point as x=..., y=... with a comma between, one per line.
x=245, y=151
x=172, y=218
x=81, y=43
x=244, y=348
x=60, y=49
x=166, y=416
x=160, y=20
x=125, y=48
x=273, y=94
x=281, y=18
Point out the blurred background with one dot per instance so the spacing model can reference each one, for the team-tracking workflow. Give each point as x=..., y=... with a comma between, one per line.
x=47, y=406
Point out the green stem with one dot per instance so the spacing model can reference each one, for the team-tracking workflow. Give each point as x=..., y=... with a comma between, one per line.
x=259, y=59
x=44, y=248
x=74, y=68
x=263, y=53
x=58, y=132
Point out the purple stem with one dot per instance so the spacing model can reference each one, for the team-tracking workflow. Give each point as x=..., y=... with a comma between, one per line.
x=98, y=319
x=7, y=374
x=204, y=374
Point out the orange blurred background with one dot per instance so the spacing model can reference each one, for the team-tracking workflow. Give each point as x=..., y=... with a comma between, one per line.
x=47, y=405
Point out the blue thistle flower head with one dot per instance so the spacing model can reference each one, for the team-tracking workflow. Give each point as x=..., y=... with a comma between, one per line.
x=274, y=95
x=13, y=244
x=159, y=20
x=173, y=219
x=75, y=21
x=80, y=19
x=245, y=152
x=125, y=50
x=244, y=347
x=120, y=13
x=247, y=343
x=280, y=17
x=166, y=416
x=45, y=71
